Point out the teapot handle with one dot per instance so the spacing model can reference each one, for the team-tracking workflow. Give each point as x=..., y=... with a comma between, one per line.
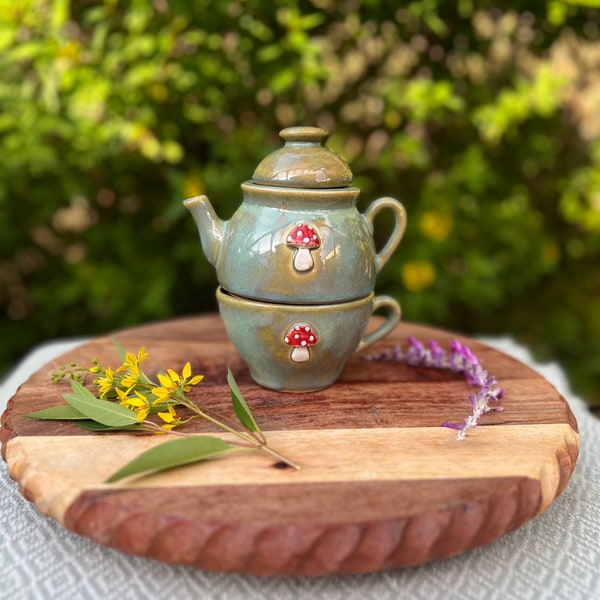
x=399, y=226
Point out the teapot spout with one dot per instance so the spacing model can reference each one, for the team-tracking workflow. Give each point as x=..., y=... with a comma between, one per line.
x=210, y=227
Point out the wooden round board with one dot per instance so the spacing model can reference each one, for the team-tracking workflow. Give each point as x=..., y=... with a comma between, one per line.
x=382, y=484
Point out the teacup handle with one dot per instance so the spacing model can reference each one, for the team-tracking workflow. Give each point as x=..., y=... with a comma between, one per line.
x=393, y=317
x=399, y=226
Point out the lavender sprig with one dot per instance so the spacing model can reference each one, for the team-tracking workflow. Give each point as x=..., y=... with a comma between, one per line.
x=460, y=359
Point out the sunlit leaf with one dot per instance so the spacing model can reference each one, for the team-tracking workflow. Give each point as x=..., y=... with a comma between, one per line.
x=283, y=81
x=99, y=427
x=239, y=405
x=57, y=413
x=174, y=454
x=102, y=411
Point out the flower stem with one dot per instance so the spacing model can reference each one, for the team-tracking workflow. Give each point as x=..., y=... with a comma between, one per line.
x=280, y=457
x=250, y=444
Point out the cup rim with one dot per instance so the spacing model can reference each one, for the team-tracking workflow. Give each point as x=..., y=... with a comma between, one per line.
x=224, y=296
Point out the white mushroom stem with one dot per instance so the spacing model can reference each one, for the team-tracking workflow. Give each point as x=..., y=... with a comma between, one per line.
x=303, y=260
x=300, y=354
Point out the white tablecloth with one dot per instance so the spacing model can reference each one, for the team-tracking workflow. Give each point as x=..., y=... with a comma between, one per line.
x=554, y=556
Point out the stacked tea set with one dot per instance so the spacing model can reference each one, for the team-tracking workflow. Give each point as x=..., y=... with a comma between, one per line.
x=297, y=264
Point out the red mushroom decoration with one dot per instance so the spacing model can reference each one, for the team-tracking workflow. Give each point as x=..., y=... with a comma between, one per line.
x=304, y=238
x=300, y=336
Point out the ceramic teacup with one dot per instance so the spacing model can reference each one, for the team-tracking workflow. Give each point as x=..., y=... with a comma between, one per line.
x=299, y=348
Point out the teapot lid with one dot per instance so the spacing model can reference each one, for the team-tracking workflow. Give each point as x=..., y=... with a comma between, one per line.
x=303, y=162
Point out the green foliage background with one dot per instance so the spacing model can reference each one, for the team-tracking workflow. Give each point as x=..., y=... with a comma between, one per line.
x=484, y=120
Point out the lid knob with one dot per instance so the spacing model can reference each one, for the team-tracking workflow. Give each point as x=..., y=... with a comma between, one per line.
x=303, y=162
x=312, y=136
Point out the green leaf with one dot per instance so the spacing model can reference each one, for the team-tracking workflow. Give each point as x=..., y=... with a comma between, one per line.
x=239, y=405
x=269, y=53
x=282, y=81
x=60, y=14
x=57, y=413
x=174, y=454
x=99, y=428
x=120, y=349
x=312, y=20
x=102, y=411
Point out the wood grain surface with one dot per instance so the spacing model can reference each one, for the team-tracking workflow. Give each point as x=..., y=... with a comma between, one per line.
x=382, y=484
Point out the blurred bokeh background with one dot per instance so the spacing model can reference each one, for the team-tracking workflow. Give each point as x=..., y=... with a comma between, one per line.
x=482, y=118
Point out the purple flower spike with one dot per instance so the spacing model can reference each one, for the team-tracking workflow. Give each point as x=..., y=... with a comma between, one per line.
x=415, y=355
x=438, y=355
x=452, y=425
x=416, y=347
x=460, y=359
x=469, y=357
x=455, y=346
x=414, y=342
x=436, y=349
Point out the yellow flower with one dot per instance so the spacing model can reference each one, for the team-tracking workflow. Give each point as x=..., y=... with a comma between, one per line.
x=123, y=367
x=186, y=374
x=130, y=380
x=69, y=51
x=123, y=397
x=132, y=362
x=173, y=375
x=418, y=275
x=173, y=380
x=142, y=355
x=166, y=388
x=132, y=375
x=139, y=403
x=166, y=382
x=105, y=383
x=162, y=394
x=436, y=225
x=187, y=371
x=170, y=418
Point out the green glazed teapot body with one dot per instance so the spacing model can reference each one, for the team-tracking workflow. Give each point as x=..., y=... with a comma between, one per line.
x=297, y=236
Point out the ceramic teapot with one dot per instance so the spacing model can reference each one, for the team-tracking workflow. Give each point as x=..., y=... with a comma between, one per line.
x=297, y=236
